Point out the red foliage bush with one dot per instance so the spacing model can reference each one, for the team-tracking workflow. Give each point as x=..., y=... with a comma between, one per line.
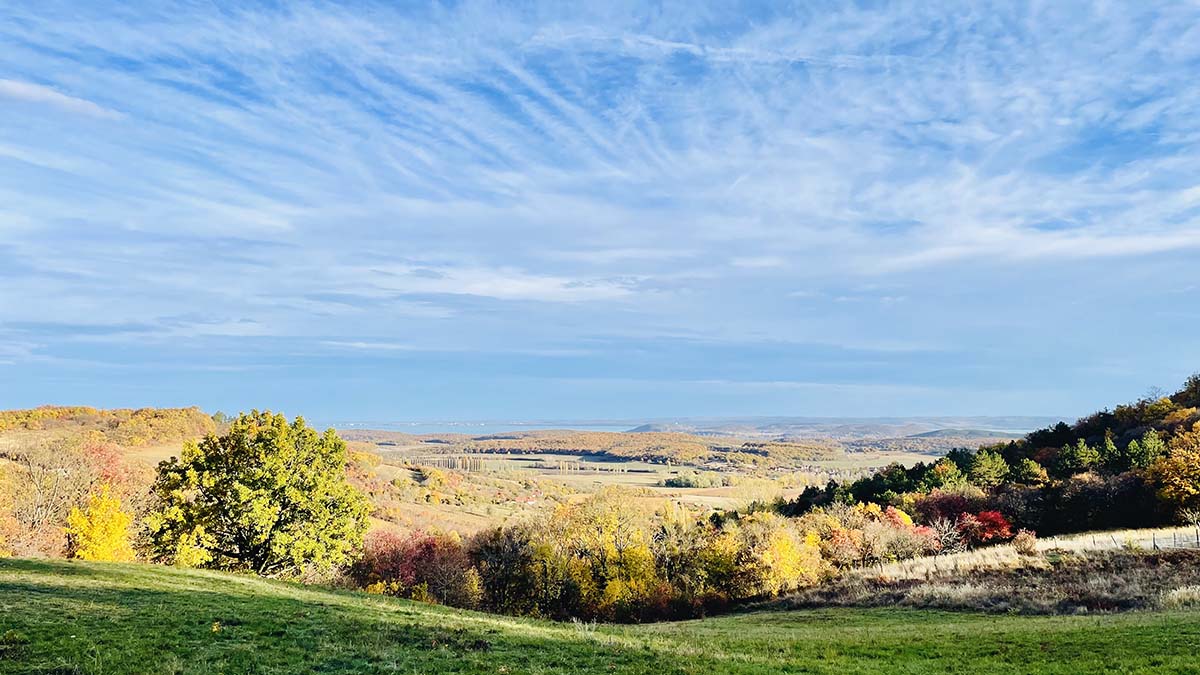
x=383, y=556
x=985, y=527
x=107, y=462
x=940, y=504
x=419, y=565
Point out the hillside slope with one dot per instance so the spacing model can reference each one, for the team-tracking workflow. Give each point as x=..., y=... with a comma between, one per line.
x=66, y=617
x=125, y=426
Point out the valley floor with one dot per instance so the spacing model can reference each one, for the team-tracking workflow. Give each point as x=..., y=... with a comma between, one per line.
x=70, y=617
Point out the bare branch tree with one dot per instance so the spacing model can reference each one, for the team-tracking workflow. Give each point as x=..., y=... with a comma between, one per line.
x=946, y=534
x=1192, y=517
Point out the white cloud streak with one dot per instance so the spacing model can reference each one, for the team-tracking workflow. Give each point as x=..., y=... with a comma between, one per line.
x=525, y=175
x=36, y=93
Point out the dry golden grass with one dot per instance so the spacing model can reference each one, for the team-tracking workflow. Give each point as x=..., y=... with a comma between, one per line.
x=1187, y=597
x=1058, y=582
x=1005, y=556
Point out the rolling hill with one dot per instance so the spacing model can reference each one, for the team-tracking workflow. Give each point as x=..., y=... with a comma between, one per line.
x=71, y=617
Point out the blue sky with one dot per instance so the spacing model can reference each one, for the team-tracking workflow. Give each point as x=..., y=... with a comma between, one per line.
x=496, y=210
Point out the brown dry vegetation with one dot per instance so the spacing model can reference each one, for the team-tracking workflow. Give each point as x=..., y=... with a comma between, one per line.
x=1055, y=582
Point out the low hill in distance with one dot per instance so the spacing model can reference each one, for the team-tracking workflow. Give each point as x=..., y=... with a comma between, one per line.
x=771, y=444
x=777, y=428
x=967, y=434
x=124, y=426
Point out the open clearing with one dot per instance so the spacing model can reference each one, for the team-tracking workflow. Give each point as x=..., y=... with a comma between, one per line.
x=70, y=617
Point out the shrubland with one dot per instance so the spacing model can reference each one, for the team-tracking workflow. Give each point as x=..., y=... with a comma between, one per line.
x=43, y=483
x=611, y=558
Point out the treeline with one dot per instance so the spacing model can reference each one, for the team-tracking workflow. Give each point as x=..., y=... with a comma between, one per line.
x=612, y=559
x=656, y=447
x=1137, y=465
x=124, y=426
x=689, y=478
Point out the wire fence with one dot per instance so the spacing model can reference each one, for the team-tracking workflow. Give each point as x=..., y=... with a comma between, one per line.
x=1177, y=540
x=1006, y=556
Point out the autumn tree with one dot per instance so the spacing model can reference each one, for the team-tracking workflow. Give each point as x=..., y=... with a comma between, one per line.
x=943, y=474
x=607, y=542
x=267, y=497
x=421, y=566
x=1177, y=475
x=775, y=557
x=50, y=480
x=9, y=527
x=100, y=530
x=985, y=527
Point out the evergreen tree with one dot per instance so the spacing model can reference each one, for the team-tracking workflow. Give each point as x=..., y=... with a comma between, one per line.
x=1029, y=472
x=1110, y=456
x=1077, y=458
x=1143, y=454
x=988, y=469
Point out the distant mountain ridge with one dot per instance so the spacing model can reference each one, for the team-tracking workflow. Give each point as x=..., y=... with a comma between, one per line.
x=851, y=428
x=967, y=433
x=775, y=427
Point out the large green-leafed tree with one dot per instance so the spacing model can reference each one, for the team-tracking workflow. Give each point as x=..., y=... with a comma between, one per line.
x=269, y=496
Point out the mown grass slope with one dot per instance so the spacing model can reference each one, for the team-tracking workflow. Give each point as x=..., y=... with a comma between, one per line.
x=68, y=617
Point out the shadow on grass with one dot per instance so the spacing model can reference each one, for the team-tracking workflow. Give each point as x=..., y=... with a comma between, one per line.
x=118, y=627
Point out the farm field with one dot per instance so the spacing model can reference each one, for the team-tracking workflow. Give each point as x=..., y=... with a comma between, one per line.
x=529, y=481
x=72, y=617
x=506, y=487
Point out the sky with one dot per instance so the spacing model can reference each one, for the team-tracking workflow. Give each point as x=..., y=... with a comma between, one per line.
x=475, y=210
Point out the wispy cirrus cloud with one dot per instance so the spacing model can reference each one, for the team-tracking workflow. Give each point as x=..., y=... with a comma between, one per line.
x=525, y=179
x=39, y=94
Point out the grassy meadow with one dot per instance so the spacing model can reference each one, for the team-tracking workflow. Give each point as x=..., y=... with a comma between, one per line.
x=73, y=617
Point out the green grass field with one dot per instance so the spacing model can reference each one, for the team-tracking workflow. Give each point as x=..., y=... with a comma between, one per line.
x=68, y=617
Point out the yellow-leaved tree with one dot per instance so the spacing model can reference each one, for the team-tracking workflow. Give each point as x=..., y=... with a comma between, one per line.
x=1178, y=474
x=776, y=557
x=100, y=531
